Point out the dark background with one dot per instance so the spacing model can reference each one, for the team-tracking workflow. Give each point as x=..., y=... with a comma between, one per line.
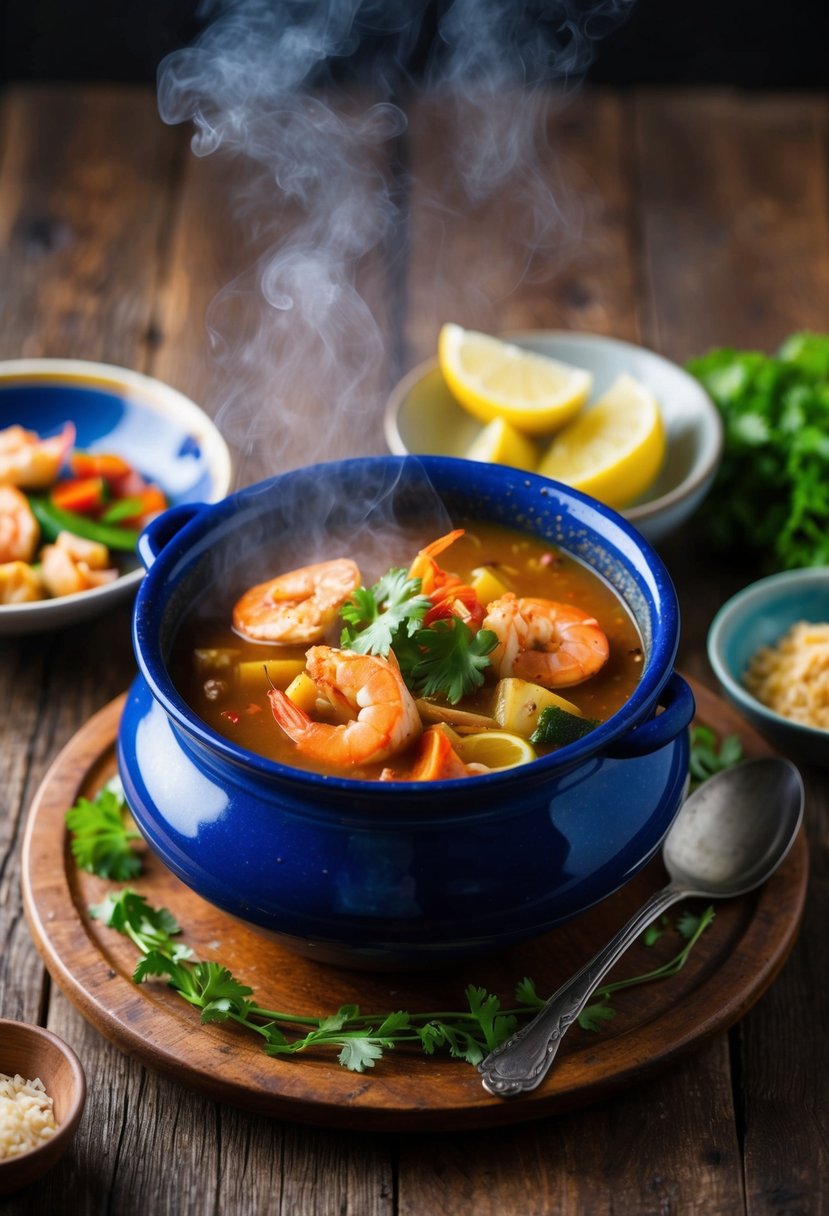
x=748, y=43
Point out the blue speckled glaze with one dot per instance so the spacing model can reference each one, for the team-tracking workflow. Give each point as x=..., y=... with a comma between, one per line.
x=372, y=874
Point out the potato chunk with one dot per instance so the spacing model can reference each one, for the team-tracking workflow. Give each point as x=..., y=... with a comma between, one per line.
x=518, y=704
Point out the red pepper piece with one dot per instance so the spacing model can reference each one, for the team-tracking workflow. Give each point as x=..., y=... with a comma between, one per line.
x=85, y=495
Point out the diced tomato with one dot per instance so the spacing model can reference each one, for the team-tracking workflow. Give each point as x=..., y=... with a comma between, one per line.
x=85, y=495
x=108, y=465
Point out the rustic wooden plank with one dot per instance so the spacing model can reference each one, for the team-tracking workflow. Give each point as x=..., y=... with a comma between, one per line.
x=734, y=219
x=555, y=252
x=668, y=1148
x=82, y=205
x=736, y=249
x=84, y=193
x=784, y=1056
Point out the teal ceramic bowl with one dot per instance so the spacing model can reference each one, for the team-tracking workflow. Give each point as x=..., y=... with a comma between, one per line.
x=423, y=417
x=758, y=616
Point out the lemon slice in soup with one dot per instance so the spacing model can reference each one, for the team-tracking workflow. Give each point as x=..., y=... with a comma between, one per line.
x=495, y=749
x=491, y=378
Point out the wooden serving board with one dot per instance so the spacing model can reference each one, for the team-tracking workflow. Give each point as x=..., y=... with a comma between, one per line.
x=729, y=969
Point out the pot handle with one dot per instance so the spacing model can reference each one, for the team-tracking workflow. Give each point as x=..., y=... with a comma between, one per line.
x=163, y=528
x=678, y=709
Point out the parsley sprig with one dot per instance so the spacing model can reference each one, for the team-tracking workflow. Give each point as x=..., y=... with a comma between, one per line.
x=468, y=1034
x=101, y=836
x=444, y=659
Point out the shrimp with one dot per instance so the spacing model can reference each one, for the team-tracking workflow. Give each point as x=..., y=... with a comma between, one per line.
x=19, y=530
x=30, y=462
x=545, y=641
x=20, y=583
x=297, y=607
x=384, y=718
x=449, y=595
x=74, y=564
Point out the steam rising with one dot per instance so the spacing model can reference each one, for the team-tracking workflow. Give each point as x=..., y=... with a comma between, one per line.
x=321, y=190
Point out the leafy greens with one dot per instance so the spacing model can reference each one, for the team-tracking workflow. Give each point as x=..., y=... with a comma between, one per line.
x=771, y=494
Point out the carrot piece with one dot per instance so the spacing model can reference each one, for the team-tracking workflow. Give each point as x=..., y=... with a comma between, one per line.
x=83, y=494
x=111, y=467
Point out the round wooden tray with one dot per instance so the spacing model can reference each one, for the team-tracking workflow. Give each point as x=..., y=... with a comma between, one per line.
x=731, y=966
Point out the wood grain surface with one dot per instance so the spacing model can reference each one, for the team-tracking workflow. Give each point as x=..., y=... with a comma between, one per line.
x=729, y=970
x=688, y=219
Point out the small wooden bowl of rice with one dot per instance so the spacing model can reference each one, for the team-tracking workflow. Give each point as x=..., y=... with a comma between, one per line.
x=769, y=648
x=42, y=1095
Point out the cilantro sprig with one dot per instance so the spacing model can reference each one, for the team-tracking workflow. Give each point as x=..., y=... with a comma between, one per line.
x=101, y=836
x=361, y=1039
x=378, y=616
x=444, y=659
x=775, y=412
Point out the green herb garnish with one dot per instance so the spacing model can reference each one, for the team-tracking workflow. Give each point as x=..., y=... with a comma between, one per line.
x=468, y=1034
x=556, y=727
x=376, y=616
x=444, y=660
x=775, y=411
x=708, y=757
x=451, y=659
x=101, y=839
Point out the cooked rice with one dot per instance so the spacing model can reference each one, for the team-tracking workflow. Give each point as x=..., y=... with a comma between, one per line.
x=792, y=677
x=26, y=1116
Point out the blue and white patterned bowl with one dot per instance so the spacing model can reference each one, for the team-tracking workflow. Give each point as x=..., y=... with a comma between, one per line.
x=156, y=428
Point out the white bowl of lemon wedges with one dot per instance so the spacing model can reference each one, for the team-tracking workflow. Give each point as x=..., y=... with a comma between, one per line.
x=612, y=419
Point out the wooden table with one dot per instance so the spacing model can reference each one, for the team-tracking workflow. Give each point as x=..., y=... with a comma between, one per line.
x=687, y=220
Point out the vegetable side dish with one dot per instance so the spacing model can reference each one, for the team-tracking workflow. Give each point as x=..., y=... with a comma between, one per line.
x=64, y=514
x=792, y=677
x=430, y=673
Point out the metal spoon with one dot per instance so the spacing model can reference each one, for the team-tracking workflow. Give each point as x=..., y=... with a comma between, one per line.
x=728, y=838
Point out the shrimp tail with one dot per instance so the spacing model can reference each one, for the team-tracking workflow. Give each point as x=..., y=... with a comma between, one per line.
x=293, y=720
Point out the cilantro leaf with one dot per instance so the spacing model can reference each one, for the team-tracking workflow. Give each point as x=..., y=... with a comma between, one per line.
x=101, y=841
x=374, y=616
x=359, y=1053
x=708, y=757
x=593, y=1017
x=452, y=659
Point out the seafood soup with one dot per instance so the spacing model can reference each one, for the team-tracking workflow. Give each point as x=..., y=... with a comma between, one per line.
x=478, y=650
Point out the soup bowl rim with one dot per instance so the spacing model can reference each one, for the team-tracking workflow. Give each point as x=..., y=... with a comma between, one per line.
x=198, y=520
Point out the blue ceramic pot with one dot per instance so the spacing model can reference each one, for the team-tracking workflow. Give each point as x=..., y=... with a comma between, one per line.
x=364, y=873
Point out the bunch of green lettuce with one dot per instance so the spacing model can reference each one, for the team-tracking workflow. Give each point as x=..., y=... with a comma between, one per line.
x=771, y=495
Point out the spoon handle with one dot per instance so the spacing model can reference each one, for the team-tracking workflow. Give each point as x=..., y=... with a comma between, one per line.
x=522, y=1062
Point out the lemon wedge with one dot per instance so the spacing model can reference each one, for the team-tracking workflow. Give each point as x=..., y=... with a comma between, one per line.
x=495, y=749
x=614, y=450
x=491, y=378
x=500, y=443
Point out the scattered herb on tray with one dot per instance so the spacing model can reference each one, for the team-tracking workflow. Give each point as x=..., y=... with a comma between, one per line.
x=708, y=757
x=361, y=1038
x=771, y=495
x=102, y=841
x=102, y=836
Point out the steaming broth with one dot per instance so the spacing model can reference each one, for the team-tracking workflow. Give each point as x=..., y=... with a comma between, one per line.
x=220, y=673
